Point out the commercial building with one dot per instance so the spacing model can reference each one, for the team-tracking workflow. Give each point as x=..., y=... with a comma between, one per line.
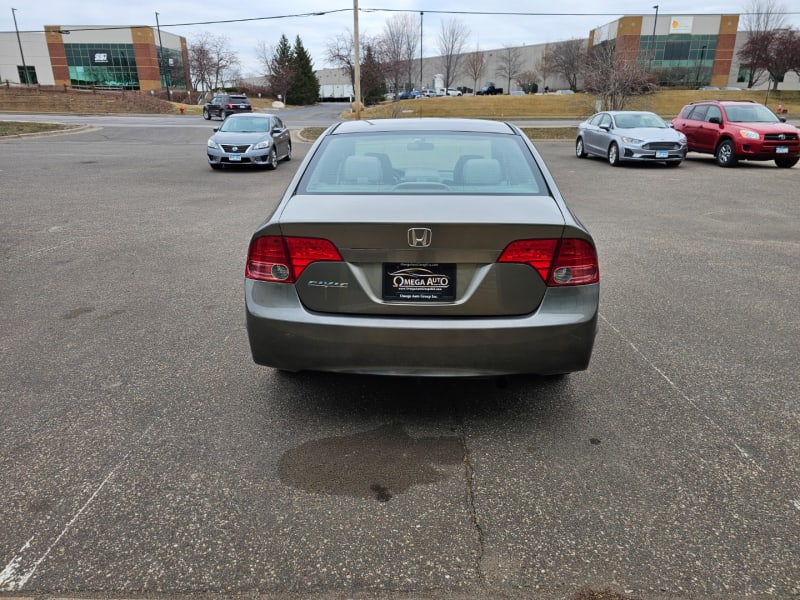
x=680, y=50
x=102, y=57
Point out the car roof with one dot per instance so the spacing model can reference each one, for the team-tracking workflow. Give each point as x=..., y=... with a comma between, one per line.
x=629, y=112
x=425, y=124
x=726, y=102
x=250, y=115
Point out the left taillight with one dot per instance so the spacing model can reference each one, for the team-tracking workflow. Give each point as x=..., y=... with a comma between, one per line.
x=282, y=259
x=569, y=261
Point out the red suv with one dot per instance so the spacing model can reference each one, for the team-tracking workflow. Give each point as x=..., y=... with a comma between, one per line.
x=738, y=130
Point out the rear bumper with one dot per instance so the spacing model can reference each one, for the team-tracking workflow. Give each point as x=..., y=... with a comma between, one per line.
x=557, y=338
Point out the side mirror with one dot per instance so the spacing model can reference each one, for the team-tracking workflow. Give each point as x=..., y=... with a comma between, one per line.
x=716, y=120
x=216, y=129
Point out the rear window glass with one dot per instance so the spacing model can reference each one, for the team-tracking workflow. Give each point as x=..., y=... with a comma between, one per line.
x=423, y=163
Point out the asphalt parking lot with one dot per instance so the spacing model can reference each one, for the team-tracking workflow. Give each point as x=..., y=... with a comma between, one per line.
x=143, y=454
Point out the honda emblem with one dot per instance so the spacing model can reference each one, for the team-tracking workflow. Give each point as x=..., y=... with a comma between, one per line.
x=419, y=237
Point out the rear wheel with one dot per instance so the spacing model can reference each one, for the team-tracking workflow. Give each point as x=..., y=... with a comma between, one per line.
x=580, y=152
x=725, y=155
x=288, y=156
x=786, y=162
x=224, y=115
x=613, y=155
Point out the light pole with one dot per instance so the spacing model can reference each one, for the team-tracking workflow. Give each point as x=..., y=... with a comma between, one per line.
x=161, y=59
x=653, y=54
x=21, y=53
x=356, y=63
x=420, y=51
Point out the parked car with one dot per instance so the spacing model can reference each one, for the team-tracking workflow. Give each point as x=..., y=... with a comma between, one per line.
x=431, y=246
x=222, y=105
x=563, y=92
x=404, y=95
x=249, y=139
x=517, y=93
x=738, y=130
x=489, y=90
x=454, y=92
x=626, y=135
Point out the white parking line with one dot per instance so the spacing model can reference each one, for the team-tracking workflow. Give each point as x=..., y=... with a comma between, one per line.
x=12, y=577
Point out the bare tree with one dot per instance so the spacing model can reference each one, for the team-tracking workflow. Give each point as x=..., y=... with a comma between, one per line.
x=614, y=76
x=453, y=36
x=396, y=49
x=475, y=66
x=341, y=54
x=760, y=19
x=527, y=80
x=510, y=64
x=567, y=60
x=211, y=61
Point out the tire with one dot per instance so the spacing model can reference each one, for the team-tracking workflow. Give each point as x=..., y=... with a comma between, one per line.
x=673, y=163
x=215, y=166
x=725, y=154
x=272, y=160
x=613, y=154
x=786, y=162
x=206, y=114
x=579, y=149
x=288, y=156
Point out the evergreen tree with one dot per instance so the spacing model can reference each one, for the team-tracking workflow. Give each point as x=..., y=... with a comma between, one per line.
x=305, y=85
x=281, y=69
x=373, y=83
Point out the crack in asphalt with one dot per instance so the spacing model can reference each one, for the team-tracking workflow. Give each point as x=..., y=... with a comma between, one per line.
x=469, y=474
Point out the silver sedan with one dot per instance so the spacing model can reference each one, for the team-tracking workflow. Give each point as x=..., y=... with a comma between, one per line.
x=623, y=135
x=249, y=139
x=433, y=247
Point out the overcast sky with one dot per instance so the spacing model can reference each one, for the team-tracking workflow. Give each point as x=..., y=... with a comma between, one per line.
x=531, y=22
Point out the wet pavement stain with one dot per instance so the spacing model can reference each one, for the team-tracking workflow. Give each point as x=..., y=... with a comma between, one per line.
x=377, y=464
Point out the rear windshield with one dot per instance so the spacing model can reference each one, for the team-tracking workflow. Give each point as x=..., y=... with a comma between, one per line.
x=423, y=163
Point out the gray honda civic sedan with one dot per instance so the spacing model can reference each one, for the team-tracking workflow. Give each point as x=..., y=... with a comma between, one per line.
x=422, y=247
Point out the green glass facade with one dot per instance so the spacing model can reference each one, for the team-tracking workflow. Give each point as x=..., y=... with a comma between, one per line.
x=102, y=66
x=171, y=62
x=692, y=56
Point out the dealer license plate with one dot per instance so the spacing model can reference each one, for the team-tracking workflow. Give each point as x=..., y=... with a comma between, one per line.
x=662, y=154
x=234, y=157
x=782, y=150
x=419, y=282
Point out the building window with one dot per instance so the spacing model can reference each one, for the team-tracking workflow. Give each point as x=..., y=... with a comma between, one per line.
x=27, y=74
x=111, y=66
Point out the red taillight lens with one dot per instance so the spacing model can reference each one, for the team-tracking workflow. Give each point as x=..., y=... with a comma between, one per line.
x=282, y=259
x=536, y=253
x=558, y=262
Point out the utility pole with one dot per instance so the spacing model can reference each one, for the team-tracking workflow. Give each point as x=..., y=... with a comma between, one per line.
x=21, y=53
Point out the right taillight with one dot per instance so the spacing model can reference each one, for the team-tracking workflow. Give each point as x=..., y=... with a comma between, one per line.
x=563, y=262
x=282, y=259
